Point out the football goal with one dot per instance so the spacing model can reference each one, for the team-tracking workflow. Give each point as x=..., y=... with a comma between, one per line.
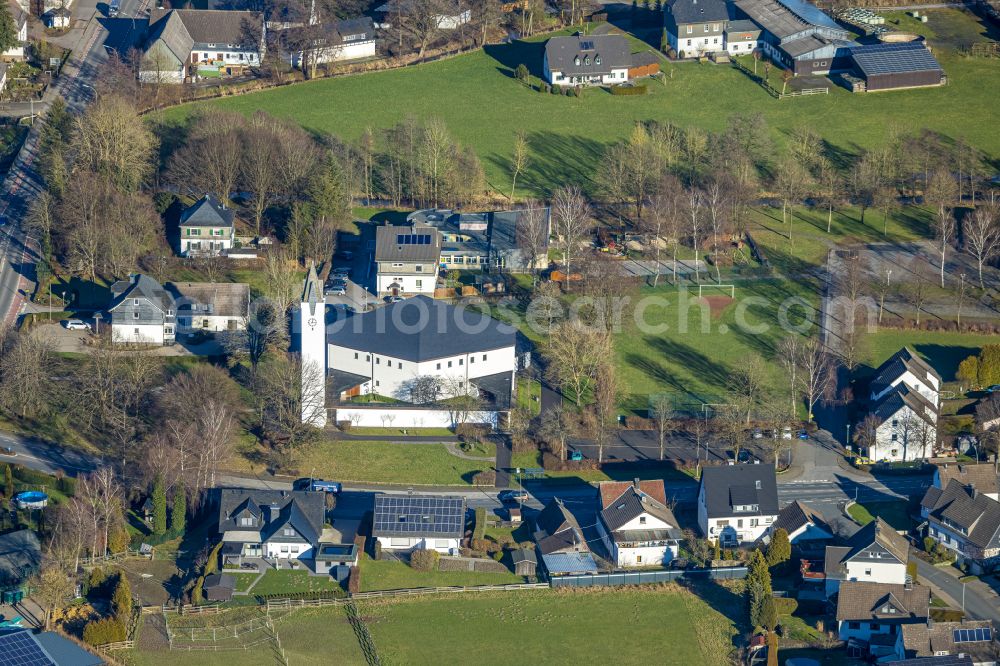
x=731, y=288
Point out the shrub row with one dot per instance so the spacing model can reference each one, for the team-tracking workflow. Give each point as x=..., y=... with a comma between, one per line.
x=983, y=327
x=485, y=478
x=336, y=593
x=103, y=631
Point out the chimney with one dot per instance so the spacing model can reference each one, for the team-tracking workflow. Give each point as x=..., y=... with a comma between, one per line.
x=635, y=483
x=757, y=483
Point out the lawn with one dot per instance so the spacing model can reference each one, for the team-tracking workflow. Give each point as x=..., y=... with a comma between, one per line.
x=484, y=106
x=244, y=581
x=388, y=462
x=668, y=626
x=423, y=432
x=393, y=575
x=529, y=395
x=291, y=582
x=896, y=513
x=944, y=350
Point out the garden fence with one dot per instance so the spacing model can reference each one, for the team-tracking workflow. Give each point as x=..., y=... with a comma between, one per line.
x=647, y=577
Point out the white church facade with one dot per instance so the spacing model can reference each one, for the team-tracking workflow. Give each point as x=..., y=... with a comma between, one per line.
x=415, y=352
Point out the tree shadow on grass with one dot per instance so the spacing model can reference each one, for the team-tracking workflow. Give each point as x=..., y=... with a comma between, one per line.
x=559, y=159
x=697, y=364
x=510, y=55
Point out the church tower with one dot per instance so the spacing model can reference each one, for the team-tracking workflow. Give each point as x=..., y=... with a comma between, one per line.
x=312, y=347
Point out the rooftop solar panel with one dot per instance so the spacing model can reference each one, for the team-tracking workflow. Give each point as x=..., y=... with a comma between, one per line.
x=419, y=515
x=876, y=59
x=21, y=649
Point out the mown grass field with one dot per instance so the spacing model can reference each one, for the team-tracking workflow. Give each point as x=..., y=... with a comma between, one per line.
x=944, y=350
x=483, y=106
x=388, y=462
x=391, y=575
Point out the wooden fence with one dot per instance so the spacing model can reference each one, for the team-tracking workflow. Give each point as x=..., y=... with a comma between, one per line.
x=120, y=645
x=805, y=91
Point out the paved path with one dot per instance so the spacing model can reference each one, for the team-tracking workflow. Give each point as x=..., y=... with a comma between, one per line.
x=980, y=601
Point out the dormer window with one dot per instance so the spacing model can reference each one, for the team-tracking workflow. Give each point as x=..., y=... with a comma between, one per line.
x=597, y=60
x=576, y=61
x=288, y=531
x=586, y=61
x=247, y=521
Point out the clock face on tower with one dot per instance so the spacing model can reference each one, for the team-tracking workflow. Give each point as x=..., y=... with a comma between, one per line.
x=312, y=322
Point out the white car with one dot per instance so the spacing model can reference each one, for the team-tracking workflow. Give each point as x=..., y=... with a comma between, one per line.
x=76, y=325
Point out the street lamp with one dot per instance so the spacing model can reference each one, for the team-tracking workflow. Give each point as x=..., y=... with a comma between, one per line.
x=97, y=323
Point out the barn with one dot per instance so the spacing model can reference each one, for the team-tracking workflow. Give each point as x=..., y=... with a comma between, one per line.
x=896, y=66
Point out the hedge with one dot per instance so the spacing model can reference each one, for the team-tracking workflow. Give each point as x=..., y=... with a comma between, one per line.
x=628, y=90
x=212, y=564
x=336, y=593
x=424, y=560
x=104, y=631
x=354, y=580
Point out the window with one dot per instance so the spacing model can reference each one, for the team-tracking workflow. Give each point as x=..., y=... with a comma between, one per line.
x=284, y=549
x=368, y=357
x=399, y=365
x=597, y=60
x=484, y=357
x=722, y=524
x=868, y=572
x=586, y=61
x=438, y=366
x=642, y=520
x=246, y=522
x=461, y=361
x=376, y=382
x=895, y=437
x=739, y=523
x=854, y=625
x=355, y=356
x=449, y=364
x=576, y=61
x=419, y=268
x=638, y=559
x=690, y=29
x=874, y=626
x=420, y=284
x=442, y=543
x=295, y=549
x=895, y=423
x=135, y=301
x=472, y=359
x=399, y=543
x=715, y=27
x=168, y=330
x=378, y=361
x=689, y=42
x=135, y=315
x=288, y=531
x=704, y=28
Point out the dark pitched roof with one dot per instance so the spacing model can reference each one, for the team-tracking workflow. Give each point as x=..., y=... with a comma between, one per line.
x=876, y=536
x=797, y=515
x=903, y=396
x=742, y=25
x=220, y=580
x=20, y=556
x=209, y=26
x=634, y=502
x=169, y=29
x=207, y=212
x=563, y=53
x=556, y=529
x=975, y=513
x=421, y=329
x=905, y=359
x=949, y=660
x=697, y=11
x=882, y=602
x=728, y=485
x=784, y=18
x=302, y=510
x=981, y=476
x=400, y=243
x=216, y=299
x=874, y=59
x=418, y=515
x=141, y=286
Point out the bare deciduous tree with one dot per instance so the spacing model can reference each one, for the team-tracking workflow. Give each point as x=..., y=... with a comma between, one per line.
x=662, y=411
x=533, y=234
x=981, y=231
x=573, y=222
x=606, y=393
x=575, y=353
x=518, y=160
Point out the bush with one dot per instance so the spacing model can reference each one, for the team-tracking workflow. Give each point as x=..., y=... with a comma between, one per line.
x=785, y=605
x=498, y=555
x=929, y=543
x=104, y=631
x=628, y=90
x=485, y=478
x=911, y=570
x=479, y=526
x=198, y=592
x=424, y=560
x=480, y=546
x=212, y=563
x=121, y=600
x=556, y=89
x=95, y=583
x=345, y=426
x=354, y=581
x=521, y=72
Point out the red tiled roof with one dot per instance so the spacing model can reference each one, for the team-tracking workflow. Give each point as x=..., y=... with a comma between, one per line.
x=612, y=490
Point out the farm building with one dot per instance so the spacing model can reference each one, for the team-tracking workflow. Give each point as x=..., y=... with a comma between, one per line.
x=896, y=66
x=643, y=64
x=798, y=36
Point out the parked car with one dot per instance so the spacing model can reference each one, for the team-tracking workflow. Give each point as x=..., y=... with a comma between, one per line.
x=758, y=433
x=802, y=434
x=993, y=389
x=316, y=485
x=76, y=325
x=337, y=290
x=341, y=271
x=393, y=299
x=8, y=451
x=346, y=254
x=679, y=563
x=575, y=455
x=744, y=456
x=786, y=433
x=512, y=496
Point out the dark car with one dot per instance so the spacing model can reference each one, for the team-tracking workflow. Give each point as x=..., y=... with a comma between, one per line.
x=679, y=563
x=512, y=496
x=316, y=485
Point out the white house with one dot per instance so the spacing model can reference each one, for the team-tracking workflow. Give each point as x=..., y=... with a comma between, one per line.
x=207, y=228
x=637, y=527
x=350, y=39
x=406, y=260
x=742, y=37
x=905, y=367
x=58, y=18
x=587, y=60
x=20, y=17
x=803, y=525
x=142, y=312
x=875, y=554
x=212, y=307
x=187, y=44
x=421, y=351
x=419, y=522
x=280, y=526
x=905, y=426
x=737, y=503
x=451, y=17
x=972, y=638
x=696, y=27
x=870, y=615
x=966, y=521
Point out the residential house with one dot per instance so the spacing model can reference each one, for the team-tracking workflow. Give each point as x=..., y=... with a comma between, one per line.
x=406, y=260
x=981, y=476
x=876, y=554
x=187, y=44
x=20, y=18
x=349, y=39
x=966, y=521
x=281, y=527
x=696, y=27
x=211, y=307
x=23, y=647
x=870, y=615
x=58, y=18
x=207, y=228
x=560, y=541
x=420, y=350
x=796, y=35
x=907, y=368
x=490, y=241
x=20, y=559
x=587, y=60
x=419, y=522
x=637, y=527
x=142, y=312
x=737, y=503
x=905, y=427
x=451, y=17
x=742, y=37
x=972, y=638
x=805, y=527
